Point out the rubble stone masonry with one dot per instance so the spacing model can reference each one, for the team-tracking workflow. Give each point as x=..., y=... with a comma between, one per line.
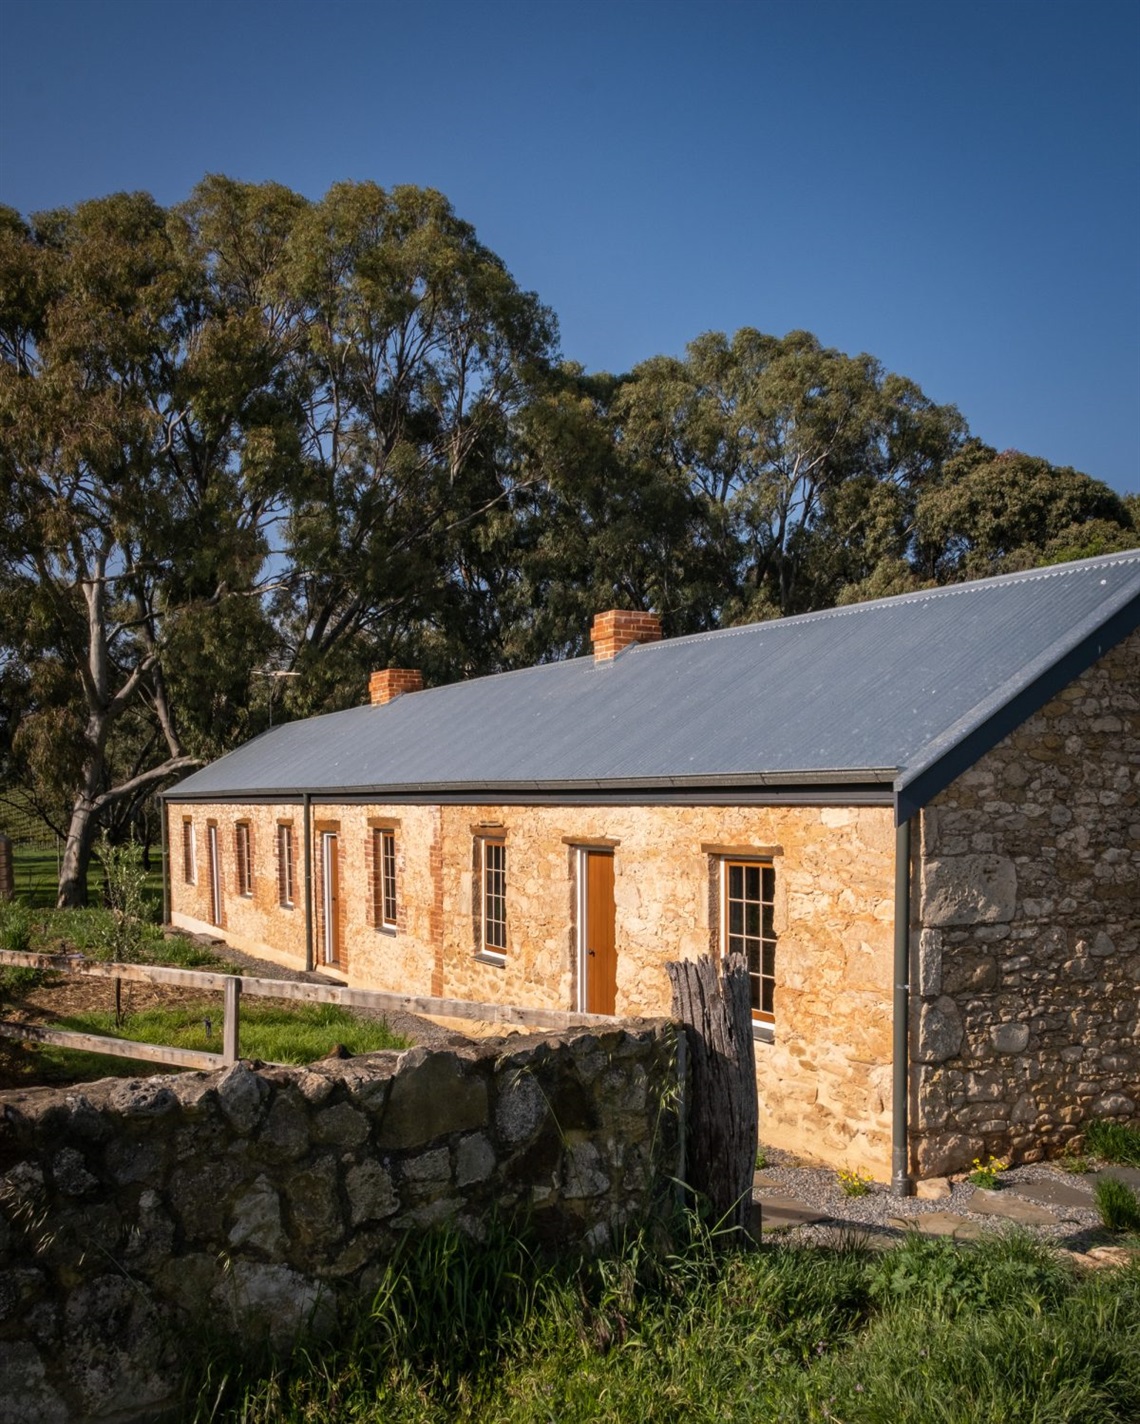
x=1026, y=957
x=824, y=1079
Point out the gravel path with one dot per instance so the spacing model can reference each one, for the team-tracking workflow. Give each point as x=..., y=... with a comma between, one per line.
x=1077, y=1228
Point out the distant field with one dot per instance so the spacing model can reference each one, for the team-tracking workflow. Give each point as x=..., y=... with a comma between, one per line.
x=36, y=872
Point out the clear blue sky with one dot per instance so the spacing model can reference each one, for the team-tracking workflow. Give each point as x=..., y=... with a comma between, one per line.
x=954, y=187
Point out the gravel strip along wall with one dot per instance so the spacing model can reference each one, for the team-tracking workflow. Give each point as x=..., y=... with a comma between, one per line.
x=266, y=1200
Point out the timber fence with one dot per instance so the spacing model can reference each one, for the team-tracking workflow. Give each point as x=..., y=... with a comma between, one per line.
x=234, y=986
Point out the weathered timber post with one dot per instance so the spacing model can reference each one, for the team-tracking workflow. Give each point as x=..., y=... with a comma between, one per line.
x=7, y=877
x=716, y=1010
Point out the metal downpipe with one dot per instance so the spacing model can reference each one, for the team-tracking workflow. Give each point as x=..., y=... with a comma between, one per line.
x=307, y=833
x=900, y=1088
x=163, y=811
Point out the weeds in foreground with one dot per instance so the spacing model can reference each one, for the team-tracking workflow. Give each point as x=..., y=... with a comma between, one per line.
x=669, y=1328
x=987, y=1175
x=1074, y=1161
x=1117, y=1204
x=1113, y=1141
x=853, y=1183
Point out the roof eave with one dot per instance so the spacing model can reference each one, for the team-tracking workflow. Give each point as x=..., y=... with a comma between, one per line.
x=917, y=785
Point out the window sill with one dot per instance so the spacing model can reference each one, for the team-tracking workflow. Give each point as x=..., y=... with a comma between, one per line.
x=763, y=1033
x=496, y=961
x=389, y=930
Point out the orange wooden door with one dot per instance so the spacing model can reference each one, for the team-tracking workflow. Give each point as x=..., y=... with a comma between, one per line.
x=601, y=956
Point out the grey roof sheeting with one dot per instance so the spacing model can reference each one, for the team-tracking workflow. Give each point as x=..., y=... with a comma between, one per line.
x=903, y=691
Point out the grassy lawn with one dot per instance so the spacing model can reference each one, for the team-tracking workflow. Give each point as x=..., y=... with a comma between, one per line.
x=276, y=1033
x=932, y=1332
x=36, y=875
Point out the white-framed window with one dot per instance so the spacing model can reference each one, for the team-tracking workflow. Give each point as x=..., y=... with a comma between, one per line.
x=286, y=873
x=493, y=897
x=747, y=927
x=384, y=905
x=189, y=853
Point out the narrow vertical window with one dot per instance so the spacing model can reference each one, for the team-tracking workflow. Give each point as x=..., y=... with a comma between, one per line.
x=748, y=928
x=495, y=897
x=285, y=865
x=189, y=854
x=388, y=879
x=244, y=858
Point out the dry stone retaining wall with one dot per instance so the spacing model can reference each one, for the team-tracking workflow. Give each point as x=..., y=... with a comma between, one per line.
x=1027, y=956
x=266, y=1200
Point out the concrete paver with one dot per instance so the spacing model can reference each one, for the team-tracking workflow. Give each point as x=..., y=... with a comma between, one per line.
x=1011, y=1207
x=778, y=1212
x=940, y=1223
x=1058, y=1194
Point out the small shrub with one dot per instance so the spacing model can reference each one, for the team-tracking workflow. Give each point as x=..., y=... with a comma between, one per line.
x=15, y=928
x=853, y=1184
x=1073, y=1160
x=1113, y=1141
x=1118, y=1205
x=987, y=1175
x=761, y=1159
x=124, y=933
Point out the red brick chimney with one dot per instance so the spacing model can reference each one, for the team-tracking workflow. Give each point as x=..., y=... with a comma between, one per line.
x=617, y=628
x=384, y=686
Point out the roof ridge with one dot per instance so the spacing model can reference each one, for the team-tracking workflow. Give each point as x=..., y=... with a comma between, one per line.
x=919, y=595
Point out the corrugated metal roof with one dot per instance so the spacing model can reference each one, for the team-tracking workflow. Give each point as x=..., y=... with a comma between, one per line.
x=875, y=692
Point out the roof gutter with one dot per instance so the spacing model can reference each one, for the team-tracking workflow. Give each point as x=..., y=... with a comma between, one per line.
x=751, y=783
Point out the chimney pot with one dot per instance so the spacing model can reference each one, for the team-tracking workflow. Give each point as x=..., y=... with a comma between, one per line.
x=391, y=682
x=617, y=628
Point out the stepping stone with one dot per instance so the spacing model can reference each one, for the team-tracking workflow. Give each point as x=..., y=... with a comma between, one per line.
x=932, y=1189
x=1060, y=1194
x=940, y=1223
x=762, y=1179
x=777, y=1213
x=1012, y=1208
x=1129, y=1175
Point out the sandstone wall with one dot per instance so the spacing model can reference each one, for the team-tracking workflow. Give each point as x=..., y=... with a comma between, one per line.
x=824, y=1079
x=1027, y=955
x=266, y=1201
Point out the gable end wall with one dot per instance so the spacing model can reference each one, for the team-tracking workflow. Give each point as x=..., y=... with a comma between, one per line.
x=1026, y=955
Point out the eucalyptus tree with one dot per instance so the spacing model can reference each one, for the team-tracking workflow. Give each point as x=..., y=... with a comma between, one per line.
x=772, y=431
x=994, y=512
x=420, y=350
x=142, y=437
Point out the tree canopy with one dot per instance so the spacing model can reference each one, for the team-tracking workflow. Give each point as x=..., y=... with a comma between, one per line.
x=253, y=433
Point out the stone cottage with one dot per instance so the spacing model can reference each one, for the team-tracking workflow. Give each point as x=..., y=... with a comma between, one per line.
x=917, y=818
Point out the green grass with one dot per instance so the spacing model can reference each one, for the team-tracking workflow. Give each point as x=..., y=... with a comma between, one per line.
x=295, y=1033
x=36, y=876
x=1117, y=1204
x=1113, y=1141
x=982, y=1333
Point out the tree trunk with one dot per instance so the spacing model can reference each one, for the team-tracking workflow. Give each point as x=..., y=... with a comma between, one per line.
x=722, y=1115
x=76, y=856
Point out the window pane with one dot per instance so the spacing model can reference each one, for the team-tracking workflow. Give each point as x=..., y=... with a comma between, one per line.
x=769, y=883
x=769, y=922
x=752, y=882
x=752, y=919
x=735, y=881
x=769, y=959
x=766, y=997
x=735, y=917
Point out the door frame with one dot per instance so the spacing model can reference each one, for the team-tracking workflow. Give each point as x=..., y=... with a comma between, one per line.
x=215, y=874
x=581, y=865
x=330, y=861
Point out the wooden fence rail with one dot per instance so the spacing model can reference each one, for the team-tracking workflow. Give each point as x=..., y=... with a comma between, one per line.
x=234, y=986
